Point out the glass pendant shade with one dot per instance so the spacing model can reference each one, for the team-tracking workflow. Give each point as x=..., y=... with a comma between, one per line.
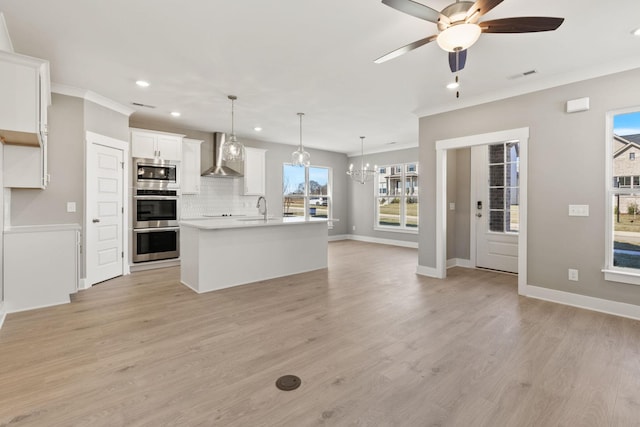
x=300, y=157
x=459, y=37
x=365, y=173
x=232, y=149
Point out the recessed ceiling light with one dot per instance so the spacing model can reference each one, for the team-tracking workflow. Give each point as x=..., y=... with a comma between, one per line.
x=175, y=113
x=453, y=85
x=257, y=128
x=636, y=32
x=142, y=83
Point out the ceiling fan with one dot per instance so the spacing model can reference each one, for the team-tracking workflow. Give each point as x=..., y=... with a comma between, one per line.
x=459, y=28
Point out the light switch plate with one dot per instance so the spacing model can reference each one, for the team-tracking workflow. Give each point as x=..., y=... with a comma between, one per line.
x=573, y=274
x=578, y=210
x=452, y=206
x=71, y=206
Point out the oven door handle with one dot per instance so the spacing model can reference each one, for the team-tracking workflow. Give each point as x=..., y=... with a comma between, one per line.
x=152, y=230
x=156, y=197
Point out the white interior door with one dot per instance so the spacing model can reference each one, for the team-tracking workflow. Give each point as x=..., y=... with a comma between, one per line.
x=105, y=213
x=496, y=169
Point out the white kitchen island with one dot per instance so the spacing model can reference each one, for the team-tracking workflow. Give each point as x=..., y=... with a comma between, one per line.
x=221, y=253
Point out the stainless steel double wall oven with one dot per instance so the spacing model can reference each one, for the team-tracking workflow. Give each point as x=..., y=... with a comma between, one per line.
x=156, y=207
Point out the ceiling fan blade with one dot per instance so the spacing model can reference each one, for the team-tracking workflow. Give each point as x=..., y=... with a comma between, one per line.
x=457, y=60
x=479, y=8
x=523, y=24
x=405, y=49
x=414, y=9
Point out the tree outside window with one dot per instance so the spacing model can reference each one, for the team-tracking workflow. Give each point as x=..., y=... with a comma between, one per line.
x=306, y=191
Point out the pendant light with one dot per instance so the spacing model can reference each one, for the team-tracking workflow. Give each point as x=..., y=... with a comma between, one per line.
x=366, y=172
x=300, y=157
x=232, y=150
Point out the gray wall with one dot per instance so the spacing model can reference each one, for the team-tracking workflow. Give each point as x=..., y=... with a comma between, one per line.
x=277, y=154
x=362, y=202
x=66, y=167
x=104, y=121
x=566, y=166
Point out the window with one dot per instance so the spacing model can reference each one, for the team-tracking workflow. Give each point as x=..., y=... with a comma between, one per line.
x=504, y=187
x=397, y=197
x=306, y=191
x=623, y=195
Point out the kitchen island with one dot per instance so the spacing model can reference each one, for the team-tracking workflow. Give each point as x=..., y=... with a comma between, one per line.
x=221, y=253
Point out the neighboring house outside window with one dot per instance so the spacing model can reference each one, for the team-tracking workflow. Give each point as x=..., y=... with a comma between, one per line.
x=622, y=263
x=397, y=197
x=306, y=191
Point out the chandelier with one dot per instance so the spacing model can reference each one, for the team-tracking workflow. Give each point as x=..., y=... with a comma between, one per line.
x=366, y=172
x=300, y=157
x=232, y=150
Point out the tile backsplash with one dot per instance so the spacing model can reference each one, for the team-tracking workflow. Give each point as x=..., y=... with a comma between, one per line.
x=218, y=196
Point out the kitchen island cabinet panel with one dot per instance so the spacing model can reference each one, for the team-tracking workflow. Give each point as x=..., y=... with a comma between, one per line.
x=218, y=258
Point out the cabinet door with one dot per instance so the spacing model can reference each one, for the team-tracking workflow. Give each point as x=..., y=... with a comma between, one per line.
x=143, y=145
x=254, y=171
x=24, y=166
x=190, y=166
x=169, y=147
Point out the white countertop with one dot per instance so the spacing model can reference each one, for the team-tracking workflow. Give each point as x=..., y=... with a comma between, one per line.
x=246, y=222
x=41, y=228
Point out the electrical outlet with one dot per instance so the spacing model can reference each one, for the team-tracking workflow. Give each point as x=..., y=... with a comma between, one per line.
x=578, y=210
x=573, y=274
x=354, y=228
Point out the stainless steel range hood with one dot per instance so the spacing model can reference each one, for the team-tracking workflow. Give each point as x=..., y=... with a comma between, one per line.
x=222, y=169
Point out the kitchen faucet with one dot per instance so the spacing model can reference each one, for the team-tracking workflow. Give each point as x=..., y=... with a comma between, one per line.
x=262, y=207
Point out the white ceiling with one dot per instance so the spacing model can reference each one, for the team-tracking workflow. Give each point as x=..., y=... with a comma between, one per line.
x=280, y=57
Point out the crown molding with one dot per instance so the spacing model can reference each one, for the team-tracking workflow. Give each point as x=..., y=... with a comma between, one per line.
x=92, y=97
x=587, y=73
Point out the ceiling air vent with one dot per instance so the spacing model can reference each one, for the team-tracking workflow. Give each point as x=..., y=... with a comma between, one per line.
x=138, y=104
x=525, y=74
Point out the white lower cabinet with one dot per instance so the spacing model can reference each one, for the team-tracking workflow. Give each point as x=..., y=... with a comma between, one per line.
x=190, y=166
x=254, y=171
x=41, y=265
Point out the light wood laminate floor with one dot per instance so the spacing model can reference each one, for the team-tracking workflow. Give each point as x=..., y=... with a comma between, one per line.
x=374, y=343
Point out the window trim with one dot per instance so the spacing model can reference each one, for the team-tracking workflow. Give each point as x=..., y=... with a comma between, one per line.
x=376, y=197
x=612, y=273
x=306, y=197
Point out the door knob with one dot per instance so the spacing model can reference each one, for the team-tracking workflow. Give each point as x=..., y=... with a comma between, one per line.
x=95, y=220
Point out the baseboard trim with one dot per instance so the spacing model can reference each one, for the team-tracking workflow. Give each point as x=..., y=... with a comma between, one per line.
x=367, y=239
x=427, y=271
x=338, y=237
x=3, y=314
x=615, y=308
x=459, y=262
x=82, y=284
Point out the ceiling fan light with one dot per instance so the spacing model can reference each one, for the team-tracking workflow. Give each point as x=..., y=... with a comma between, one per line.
x=459, y=37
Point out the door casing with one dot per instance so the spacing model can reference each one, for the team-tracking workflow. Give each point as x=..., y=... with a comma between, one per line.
x=94, y=138
x=442, y=146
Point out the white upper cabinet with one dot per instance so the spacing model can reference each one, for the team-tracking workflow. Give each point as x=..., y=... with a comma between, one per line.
x=254, y=171
x=26, y=95
x=150, y=144
x=190, y=166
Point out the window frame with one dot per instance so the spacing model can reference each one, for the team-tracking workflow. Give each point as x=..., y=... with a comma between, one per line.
x=307, y=197
x=614, y=273
x=401, y=168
